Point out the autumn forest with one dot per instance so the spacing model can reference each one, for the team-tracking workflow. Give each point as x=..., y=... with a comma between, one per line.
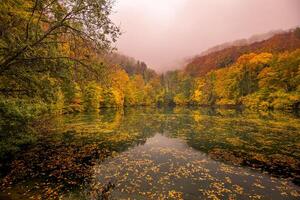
x=58, y=62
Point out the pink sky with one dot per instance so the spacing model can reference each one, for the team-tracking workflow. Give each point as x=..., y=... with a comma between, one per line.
x=164, y=32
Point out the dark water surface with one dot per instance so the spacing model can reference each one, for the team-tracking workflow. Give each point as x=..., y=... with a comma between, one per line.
x=151, y=153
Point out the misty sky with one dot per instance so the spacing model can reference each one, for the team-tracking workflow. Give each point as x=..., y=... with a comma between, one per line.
x=164, y=32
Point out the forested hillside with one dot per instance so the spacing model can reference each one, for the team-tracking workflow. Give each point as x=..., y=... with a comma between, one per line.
x=287, y=41
x=263, y=75
x=131, y=65
x=241, y=42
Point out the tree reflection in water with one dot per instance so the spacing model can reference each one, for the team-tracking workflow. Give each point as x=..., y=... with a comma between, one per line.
x=180, y=152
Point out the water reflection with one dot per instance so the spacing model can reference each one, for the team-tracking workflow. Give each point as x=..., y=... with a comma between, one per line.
x=161, y=153
x=167, y=168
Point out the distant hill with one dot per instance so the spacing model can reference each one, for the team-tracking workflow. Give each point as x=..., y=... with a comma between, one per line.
x=131, y=65
x=242, y=42
x=226, y=54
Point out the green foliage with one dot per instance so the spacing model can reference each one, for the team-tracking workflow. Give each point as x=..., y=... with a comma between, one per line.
x=59, y=102
x=135, y=91
x=178, y=87
x=161, y=99
x=112, y=98
x=283, y=74
x=258, y=100
x=17, y=112
x=284, y=101
x=152, y=91
x=74, y=98
x=131, y=66
x=15, y=129
x=92, y=97
x=180, y=99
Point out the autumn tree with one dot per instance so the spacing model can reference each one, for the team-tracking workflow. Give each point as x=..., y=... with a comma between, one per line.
x=38, y=37
x=30, y=26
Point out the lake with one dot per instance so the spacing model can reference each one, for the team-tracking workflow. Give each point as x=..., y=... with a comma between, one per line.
x=159, y=153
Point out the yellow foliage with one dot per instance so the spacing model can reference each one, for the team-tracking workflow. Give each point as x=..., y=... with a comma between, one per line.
x=136, y=90
x=113, y=97
x=180, y=99
x=245, y=58
x=262, y=58
x=120, y=79
x=92, y=97
x=263, y=76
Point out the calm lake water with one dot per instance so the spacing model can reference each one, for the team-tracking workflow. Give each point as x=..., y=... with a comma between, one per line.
x=167, y=153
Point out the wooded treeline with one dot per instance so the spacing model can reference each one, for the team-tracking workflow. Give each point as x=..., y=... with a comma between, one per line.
x=258, y=81
x=55, y=57
x=261, y=76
